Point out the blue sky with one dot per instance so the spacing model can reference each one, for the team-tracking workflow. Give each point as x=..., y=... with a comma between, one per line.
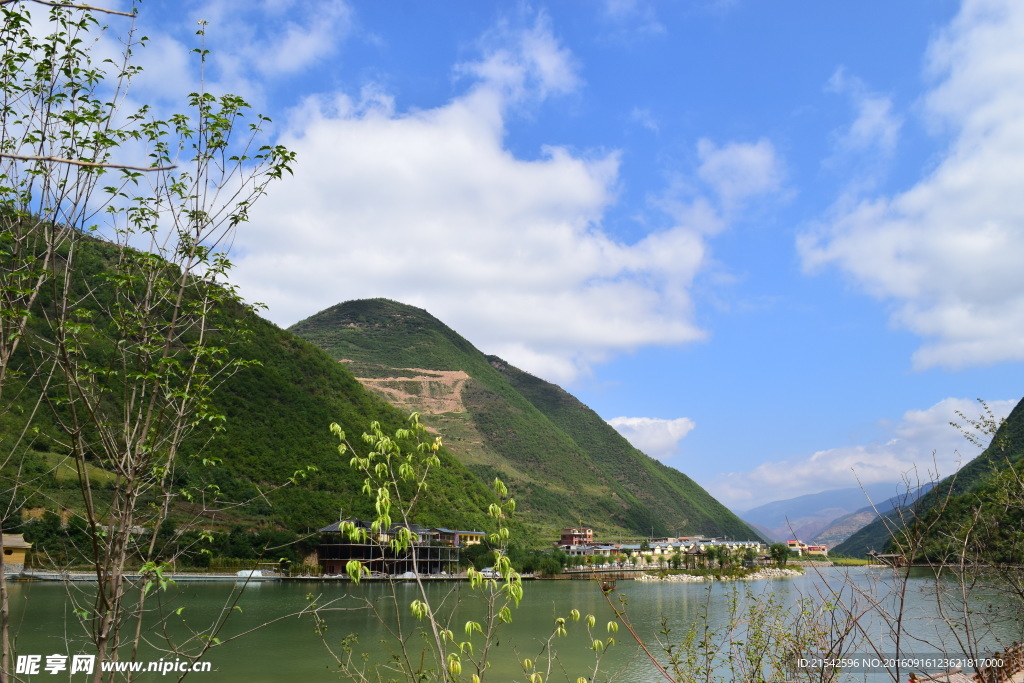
x=776, y=244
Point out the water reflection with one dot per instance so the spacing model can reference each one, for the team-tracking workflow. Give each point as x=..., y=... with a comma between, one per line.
x=288, y=645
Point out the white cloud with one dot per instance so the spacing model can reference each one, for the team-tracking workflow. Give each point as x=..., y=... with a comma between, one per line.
x=644, y=118
x=273, y=39
x=876, y=128
x=922, y=446
x=946, y=250
x=632, y=20
x=429, y=207
x=738, y=171
x=654, y=436
x=525, y=64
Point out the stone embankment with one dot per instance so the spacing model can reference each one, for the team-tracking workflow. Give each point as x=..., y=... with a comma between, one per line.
x=766, y=573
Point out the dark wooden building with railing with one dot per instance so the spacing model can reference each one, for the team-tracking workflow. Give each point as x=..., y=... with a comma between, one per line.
x=427, y=555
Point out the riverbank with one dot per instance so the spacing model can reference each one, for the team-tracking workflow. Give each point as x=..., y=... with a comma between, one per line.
x=764, y=573
x=209, y=577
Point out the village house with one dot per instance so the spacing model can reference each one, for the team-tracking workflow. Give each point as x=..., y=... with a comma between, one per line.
x=576, y=541
x=615, y=549
x=460, y=538
x=15, y=549
x=576, y=536
x=801, y=548
x=692, y=550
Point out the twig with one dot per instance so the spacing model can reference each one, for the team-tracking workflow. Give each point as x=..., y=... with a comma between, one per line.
x=76, y=162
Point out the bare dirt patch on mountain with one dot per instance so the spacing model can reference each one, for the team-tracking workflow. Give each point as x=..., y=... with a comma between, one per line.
x=431, y=392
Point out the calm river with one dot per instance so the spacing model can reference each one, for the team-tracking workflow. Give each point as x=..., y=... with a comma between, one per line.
x=288, y=648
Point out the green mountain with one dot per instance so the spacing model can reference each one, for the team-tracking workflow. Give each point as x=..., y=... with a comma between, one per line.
x=561, y=461
x=951, y=502
x=278, y=415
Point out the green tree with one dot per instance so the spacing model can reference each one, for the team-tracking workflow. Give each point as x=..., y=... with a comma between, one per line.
x=550, y=566
x=55, y=139
x=779, y=553
x=677, y=560
x=127, y=344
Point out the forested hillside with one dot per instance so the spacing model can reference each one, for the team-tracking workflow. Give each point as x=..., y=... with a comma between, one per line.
x=278, y=408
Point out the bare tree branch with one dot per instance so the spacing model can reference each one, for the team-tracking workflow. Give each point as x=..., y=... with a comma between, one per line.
x=75, y=162
x=89, y=8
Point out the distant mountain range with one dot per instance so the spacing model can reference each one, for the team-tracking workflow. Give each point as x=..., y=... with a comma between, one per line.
x=810, y=517
x=842, y=528
x=563, y=463
x=841, y=519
